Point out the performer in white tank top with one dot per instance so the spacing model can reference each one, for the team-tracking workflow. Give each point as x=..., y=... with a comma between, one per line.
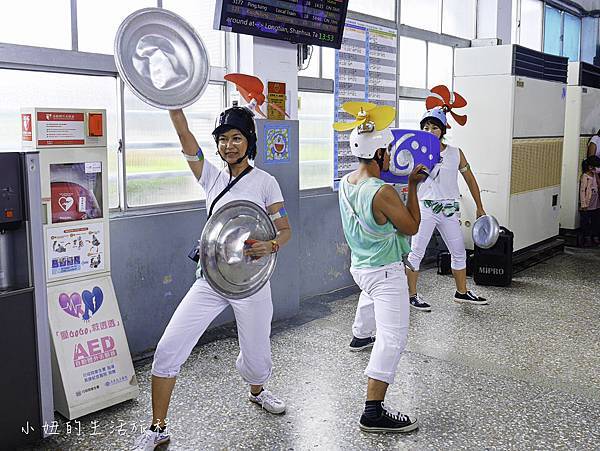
x=438, y=201
x=594, y=145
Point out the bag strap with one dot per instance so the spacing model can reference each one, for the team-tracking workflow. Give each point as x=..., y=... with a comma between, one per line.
x=230, y=185
x=363, y=224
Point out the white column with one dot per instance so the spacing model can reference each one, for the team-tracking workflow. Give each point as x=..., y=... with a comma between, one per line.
x=272, y=60
x=495, y=18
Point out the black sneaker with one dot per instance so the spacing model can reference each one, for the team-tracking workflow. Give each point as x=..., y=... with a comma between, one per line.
x=418, y=303
x=469, y=298
x=358, y=344
x=388, y=421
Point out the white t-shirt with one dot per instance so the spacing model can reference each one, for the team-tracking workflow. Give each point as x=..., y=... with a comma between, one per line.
x=256, y=186
x=596, y=140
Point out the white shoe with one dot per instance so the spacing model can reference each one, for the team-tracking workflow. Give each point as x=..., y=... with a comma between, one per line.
x=268, y=401
x=149, y=440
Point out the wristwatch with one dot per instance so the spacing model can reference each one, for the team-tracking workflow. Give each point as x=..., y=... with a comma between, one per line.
x=274, y=246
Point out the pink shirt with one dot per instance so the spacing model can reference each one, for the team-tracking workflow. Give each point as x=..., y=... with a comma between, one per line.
x=588, y=192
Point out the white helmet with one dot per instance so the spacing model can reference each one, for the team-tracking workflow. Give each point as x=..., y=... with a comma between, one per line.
x=365, y=140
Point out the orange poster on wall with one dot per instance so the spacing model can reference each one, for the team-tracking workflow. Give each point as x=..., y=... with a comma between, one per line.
x=276, y=96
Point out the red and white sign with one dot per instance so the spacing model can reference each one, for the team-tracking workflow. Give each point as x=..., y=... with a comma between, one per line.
x=57, y=128
x=26, y=127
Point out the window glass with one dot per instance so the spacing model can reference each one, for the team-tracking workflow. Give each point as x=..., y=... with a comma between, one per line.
x=458, y=18
x=27, y=89
x=439, y=65
x=532, y=12
x=315, y=113
x=156, y=171
x=381, y=8
x=552, y=30
x=41, y=24
x=410, y=113
x=572, y=34
x=201, y=16
x=589, y=39
x=97, y=22
x=412, y=62
x=425, y=14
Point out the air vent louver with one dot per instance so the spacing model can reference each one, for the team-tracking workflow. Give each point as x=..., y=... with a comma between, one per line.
x=533, y=64
x=589, y=75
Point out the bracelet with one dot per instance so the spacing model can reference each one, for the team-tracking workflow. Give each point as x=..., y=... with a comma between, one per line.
x=274, y=247
x=198, y=157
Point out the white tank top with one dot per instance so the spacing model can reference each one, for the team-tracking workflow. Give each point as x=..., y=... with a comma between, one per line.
x=444, y=186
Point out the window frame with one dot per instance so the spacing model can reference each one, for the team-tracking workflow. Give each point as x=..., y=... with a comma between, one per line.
x=563, y=11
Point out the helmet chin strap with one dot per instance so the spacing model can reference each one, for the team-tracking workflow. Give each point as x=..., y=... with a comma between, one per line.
x=238, y=161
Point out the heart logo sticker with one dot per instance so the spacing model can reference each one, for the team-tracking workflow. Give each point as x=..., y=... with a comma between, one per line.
x=92, y=302
x=71, y=304
x=66, y=202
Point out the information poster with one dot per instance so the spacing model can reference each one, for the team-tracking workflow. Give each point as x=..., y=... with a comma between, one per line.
x=75, y=250
x=60, y=128
x=276, y=100
x=90, y=346
x=366, y=72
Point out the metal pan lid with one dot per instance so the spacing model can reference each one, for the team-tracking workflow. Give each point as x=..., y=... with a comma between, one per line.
x=486, y=231
x=226, y=269
x=161, y=58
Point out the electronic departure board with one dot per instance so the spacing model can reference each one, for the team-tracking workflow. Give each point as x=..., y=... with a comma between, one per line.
x=314, y=22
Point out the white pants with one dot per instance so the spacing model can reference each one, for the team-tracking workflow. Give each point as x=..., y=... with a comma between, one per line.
x=197, y=310
x=382, y=307
x=449, y=229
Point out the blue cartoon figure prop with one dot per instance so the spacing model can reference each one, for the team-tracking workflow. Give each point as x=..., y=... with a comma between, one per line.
x=409, y=149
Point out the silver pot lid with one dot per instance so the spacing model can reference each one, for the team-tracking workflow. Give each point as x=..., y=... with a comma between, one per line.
x=486, y=231
x=161, y=58
x=225, y=267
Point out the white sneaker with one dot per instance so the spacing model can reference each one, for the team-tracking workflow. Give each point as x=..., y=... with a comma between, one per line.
x=268, y=401
x=149, y=440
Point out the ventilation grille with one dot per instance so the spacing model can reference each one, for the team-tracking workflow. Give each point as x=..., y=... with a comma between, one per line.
x=533, y=64
x=589, y=75
x=536, y=164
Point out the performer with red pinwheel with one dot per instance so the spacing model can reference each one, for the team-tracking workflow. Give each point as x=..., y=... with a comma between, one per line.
x=438, y=200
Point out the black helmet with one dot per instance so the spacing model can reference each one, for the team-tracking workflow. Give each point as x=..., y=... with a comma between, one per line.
x=241, y=119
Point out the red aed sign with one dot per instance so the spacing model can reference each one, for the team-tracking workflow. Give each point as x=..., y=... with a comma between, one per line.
x=26, y=127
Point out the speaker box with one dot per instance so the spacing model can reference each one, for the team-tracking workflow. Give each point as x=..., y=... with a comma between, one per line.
x=493, y=266
x=444, y=263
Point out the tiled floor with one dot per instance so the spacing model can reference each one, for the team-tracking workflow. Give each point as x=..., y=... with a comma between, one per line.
x=521, y=373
